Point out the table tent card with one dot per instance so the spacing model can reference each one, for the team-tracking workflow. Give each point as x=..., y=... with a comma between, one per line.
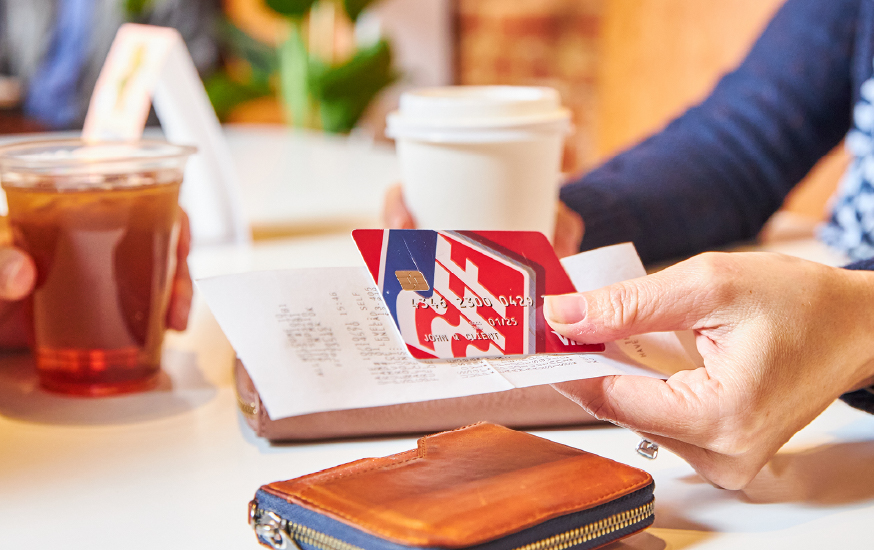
x=323, y=339
x=146, y=65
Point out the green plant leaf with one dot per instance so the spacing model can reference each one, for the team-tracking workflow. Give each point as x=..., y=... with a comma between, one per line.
x=226, y=93
x=366, y=67
x=355, y=7
x=262, y=58
x=136, y=8
x=291, y=8
x=344, y=91
x=294, y=78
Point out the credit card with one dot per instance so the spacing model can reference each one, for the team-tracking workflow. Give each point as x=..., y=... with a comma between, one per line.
x=457, y=294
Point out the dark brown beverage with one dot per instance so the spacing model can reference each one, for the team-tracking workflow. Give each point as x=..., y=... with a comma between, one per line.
x=103, y=264
x=103, y=237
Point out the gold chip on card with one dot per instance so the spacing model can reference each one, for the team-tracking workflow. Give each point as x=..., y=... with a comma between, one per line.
x=412, y=280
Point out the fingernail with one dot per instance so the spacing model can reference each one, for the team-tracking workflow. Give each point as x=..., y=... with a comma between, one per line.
x=16, y=277
x=566, y=309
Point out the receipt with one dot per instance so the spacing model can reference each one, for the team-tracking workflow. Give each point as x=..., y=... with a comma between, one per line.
x=322, y=339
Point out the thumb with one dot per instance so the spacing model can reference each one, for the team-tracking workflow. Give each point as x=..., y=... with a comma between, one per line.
x=671, y=414
x=673, y=299
x=678, y=409
x=17, y=274
x=395, y=214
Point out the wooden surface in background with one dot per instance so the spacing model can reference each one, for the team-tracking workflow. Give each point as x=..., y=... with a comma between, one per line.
x=659, y=57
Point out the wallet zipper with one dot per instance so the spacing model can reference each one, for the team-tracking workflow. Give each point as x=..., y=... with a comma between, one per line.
x=595, y=530
x=282, y=534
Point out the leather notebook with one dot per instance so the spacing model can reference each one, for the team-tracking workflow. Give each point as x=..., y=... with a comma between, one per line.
x=532, y=407
x=482, y=486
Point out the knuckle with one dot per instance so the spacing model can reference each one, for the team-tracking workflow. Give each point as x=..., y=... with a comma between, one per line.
x=732, y=474
x=733, y=480
x=602, y=407
x=712, y=266
x=735, y=459
x=717, y=272
x=620, y=309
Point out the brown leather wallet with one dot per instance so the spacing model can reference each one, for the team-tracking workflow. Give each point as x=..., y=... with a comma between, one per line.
x=535, y=407
x=481, y=485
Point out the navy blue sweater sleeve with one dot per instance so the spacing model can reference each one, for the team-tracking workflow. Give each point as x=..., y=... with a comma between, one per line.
x=715, y=174
x=861, y=399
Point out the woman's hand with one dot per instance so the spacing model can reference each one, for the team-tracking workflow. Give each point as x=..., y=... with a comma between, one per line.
x=18, y=277
x=568, y=224
x=781, y=339
x=569, y=229
x=181, y=287
x=395, y=214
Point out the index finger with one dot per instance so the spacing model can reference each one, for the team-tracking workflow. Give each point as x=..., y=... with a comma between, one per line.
x=678, y=298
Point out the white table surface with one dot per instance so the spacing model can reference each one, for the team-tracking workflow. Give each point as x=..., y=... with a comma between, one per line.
x=175, y=467
x=296, y=181
x=292, y=181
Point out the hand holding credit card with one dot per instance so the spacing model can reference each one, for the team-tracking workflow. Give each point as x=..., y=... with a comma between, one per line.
x=433, y=315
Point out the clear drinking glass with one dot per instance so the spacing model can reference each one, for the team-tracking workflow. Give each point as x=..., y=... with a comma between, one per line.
x=101, y=221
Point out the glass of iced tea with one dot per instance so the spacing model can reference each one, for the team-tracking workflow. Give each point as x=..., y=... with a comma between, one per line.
x=101, y=221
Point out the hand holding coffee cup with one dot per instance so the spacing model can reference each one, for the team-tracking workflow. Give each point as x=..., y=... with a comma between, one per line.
x=480, y=157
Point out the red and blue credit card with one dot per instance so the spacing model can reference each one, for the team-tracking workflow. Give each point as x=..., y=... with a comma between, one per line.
x=456, y=294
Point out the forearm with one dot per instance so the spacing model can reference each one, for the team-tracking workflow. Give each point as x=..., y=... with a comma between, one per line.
x=717, y=173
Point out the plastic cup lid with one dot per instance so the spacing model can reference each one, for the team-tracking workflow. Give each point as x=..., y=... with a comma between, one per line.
x=73, y=152
x=487, y=110
x=73, y=163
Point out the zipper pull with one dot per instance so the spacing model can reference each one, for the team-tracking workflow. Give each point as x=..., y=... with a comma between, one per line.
x=648, y=449
x=270, y=527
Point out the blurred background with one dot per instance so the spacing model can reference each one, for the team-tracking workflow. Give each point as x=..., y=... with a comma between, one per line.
x=624, y=67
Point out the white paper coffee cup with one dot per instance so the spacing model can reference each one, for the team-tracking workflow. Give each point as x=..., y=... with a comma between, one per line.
x=481, y=157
